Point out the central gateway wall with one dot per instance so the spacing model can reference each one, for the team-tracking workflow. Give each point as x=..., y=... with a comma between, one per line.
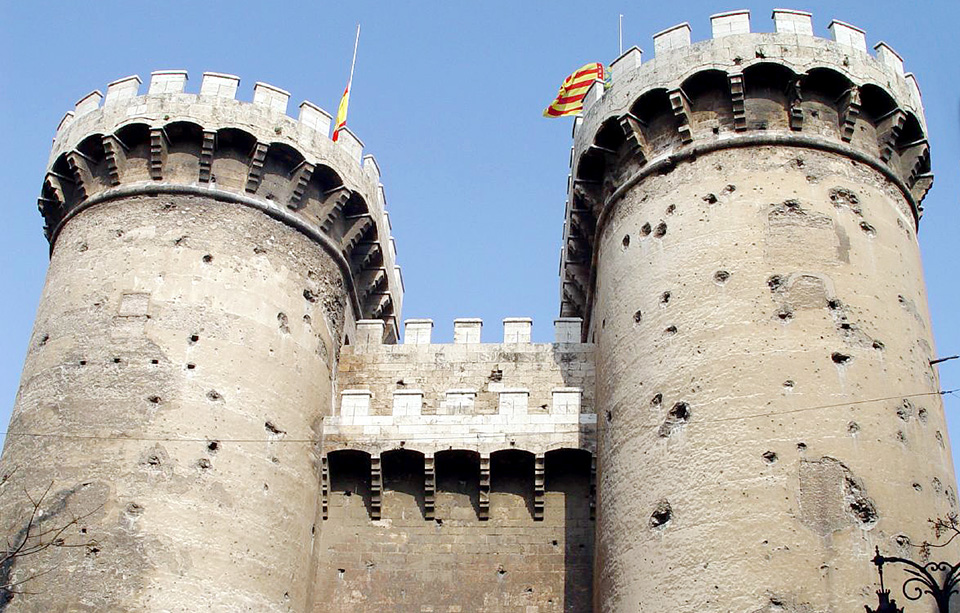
x=448, y=486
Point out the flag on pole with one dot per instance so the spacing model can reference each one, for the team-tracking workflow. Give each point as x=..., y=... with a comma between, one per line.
x=345, y=100
x=569, y=100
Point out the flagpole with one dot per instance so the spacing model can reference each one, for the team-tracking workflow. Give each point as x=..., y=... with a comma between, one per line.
x=353, y=63
x=621, y=33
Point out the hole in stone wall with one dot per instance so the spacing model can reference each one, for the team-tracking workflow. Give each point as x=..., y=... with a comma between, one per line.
x=729, y=188
x=213, y=446
x=671, y=209
x=922, y=415
x=670, y=330
x=721, y=277
x=661, y=230
x=661, y=515
x=680, y=411
x=878, y=345
x=154, y=399
x=309, y=296
x=116, y=360
x=637, y=317
x=194, y=338
x=154, y=361
x=853, y=427
x=842, y=197
x=271, y=428
x=191, y=366
x=83, y=362
x=204, y=464
x=788, y=384
x=283, y=323
x=496, y=375
x=917, y=487
x=710, y=198
x=834, y=304
x=259, y=250
x=207, y=258
x=609, y=416
x=645, y=230
x=859, y=505
x=214, y=395
x=775, y=283
x=840, y=358
x=626, y=241
x=678, y=415
x=665, y=297
x=43, y=340
x=868, y=229
x=769, y=457
x=801, y=446
x=785, y=314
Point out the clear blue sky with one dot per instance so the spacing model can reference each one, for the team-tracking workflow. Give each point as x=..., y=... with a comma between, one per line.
x=447, y=96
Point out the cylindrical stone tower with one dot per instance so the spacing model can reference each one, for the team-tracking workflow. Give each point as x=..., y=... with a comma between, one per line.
x=741, y=242
x=209, y=257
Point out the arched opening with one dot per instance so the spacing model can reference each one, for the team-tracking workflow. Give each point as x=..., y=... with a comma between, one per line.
x=913, y=149
x=657, y=122
x=403, y=480
x=511, y=485
x=711, y=108
x=349, y=471
x=231, y=159
x=767, y=95
x=134, y=139
x=567, y=483
x=458, y=484
x=279, y=166
x=822, y=90
x=185, y=140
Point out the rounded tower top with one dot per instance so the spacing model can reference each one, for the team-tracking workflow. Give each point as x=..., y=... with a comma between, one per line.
x=250, y=153
x=738, y=89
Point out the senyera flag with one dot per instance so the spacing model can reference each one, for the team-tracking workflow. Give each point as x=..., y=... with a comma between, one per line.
x=569, y=100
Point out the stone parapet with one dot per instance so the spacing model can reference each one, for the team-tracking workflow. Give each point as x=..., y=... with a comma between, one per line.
x=468, y=395
x=738, y=89
x=248, y=153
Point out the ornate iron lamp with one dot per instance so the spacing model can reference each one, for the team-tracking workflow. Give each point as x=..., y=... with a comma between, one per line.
x=921, y=582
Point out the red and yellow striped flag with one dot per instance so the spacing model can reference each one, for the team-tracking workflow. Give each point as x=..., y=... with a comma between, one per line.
x=342, y=113
x=569, y=100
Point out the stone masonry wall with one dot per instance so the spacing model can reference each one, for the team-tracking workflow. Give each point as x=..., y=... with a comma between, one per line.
x=459, y=476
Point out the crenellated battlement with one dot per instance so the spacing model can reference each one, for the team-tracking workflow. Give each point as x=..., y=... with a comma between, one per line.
x=249, y=153
x=465, y=394
x=738, y=89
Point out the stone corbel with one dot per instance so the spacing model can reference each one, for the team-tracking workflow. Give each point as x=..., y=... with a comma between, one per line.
x=158, y=152
x=539, y=489
x=255, y=174
x=429, y=487
x=206, y=154
x=376, y=487
x=680, y=104
x=737, y=95
x=484, y=510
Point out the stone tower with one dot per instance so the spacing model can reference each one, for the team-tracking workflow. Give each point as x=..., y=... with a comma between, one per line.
x=209, y=258
x=741, y=243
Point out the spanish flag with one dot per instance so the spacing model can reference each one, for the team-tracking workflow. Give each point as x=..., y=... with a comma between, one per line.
x=570, y=99
x=345, y=100
x=342, y=113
